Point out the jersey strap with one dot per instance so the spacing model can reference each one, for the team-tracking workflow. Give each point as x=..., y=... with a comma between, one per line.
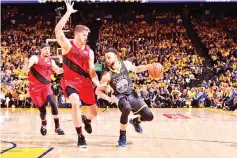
x=75, y=68
x=38, y=76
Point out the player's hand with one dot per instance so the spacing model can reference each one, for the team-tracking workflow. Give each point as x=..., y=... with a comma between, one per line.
x=69, y=5
x=114, y=99
x=104, y=87
x=109, y=89
x=160, y=68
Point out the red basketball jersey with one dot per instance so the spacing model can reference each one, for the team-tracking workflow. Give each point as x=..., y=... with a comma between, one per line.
x=78, y=57
x=43, y=68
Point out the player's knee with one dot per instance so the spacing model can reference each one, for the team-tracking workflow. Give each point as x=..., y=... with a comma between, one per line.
x=126, y=110
x=146, y=115
x=149, y=116
x=124, y=106
x=74, y=100
x=53, y=105
x=42, y=112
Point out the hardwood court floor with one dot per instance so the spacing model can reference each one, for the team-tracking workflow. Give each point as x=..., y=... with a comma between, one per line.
x=174, y=133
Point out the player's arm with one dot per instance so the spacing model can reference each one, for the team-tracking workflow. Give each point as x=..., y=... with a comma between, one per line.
x=141, y=68
x=29, y=63
x=92, y=73
x=60, y=36
x=101, y=93
x=136, y=69
x=56, y=69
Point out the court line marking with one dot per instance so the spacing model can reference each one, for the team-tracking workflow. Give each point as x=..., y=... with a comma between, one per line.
x=45, y=153
x=219, y=111
x=147, y=137
x=13, y=146
x=105, y=110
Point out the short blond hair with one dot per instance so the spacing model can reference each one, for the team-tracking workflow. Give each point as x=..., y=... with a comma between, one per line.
x=80, y=28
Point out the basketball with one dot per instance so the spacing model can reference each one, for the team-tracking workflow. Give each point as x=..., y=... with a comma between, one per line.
x=155, y=71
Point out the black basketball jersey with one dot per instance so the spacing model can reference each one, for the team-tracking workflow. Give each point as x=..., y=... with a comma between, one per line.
x=120, y=81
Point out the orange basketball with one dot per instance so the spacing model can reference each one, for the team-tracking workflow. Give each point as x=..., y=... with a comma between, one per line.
x=155, y=70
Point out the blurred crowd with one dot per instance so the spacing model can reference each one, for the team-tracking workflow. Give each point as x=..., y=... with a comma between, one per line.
x=219, y=37
x=142, y=39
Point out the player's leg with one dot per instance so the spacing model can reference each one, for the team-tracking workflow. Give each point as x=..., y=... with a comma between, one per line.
x=88, y=98
x=145, y=115
x=76, y=114
x=92, y=112
x=39, y=102
x=54, y=111
x=43, y=129
x=125, y=108
x=139, y=107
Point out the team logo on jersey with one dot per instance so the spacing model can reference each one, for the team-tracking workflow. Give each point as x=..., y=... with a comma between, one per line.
x=122, y=86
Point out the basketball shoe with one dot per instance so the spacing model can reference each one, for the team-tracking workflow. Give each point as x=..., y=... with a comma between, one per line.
x=87, y=124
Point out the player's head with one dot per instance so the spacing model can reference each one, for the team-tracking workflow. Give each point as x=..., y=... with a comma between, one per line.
x=110, y=56
x=45, y=49
x=81, y=33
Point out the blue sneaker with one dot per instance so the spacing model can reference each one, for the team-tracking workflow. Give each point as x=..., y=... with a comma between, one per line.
x=122, y=141
x=136, y=125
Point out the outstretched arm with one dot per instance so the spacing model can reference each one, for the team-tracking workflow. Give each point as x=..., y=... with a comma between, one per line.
x=60, y=36
x=141, y=68
x=136, y=69
x=101, y=93
x=29, y=63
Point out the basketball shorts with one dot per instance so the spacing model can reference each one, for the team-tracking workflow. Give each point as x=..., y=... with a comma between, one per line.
x=84, y=89
x=39, y=94
x=136, y=103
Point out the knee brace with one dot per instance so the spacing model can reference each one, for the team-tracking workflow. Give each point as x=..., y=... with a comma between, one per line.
x=125, y=108
x=146, y=114
x=42, y=110
x=54, y=108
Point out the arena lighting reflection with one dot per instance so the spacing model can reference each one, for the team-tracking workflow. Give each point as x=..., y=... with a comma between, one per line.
x=114, y=1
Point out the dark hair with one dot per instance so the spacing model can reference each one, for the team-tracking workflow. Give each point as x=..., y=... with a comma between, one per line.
x=44, y=45
x=111, y=50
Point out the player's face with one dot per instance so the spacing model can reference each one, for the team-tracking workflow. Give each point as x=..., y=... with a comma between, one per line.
x=110, y=59
x=82, y=37
x=45, y=51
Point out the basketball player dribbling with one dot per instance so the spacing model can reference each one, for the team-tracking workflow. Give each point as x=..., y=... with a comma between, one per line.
x=79, y=73
x=123, y=94
x=40, y=68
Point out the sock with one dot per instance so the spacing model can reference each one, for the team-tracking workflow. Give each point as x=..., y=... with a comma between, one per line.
x=122, y=132
x=78, y=129
x=56, y=121
x=44, y=123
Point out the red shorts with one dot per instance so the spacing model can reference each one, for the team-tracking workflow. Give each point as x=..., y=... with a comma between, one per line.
x=40, y=93
x=84, y=87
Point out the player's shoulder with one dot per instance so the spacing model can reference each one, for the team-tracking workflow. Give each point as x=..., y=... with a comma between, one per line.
x=126, y=62
x=107, y=74
x=34, y=57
